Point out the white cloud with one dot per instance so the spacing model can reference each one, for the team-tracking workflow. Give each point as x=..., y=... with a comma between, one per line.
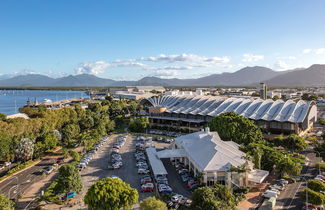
x=319, y=51
x=165, y=74
x=281, y=65
x=247, y=57
x=94, y=68
x=306, y=51
x=186, y=58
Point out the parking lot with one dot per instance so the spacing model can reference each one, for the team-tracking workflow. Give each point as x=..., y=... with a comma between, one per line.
x=98, y=167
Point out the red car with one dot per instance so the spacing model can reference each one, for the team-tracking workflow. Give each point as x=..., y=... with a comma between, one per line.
x=310, y=207
x=149, y=187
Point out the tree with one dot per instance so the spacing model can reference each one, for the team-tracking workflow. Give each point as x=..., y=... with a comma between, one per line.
x=70, y=131
x=204, y=198
x=151, y=203
x=68, y=179
x=86, y=122
x=25, y=149
x=321, y=121
x=139, y=124
x=291, y=142
x=287, y=166
x=111, y=194
x=3, y=116
x=231, y=126
x=224, y=193
x=5, y=203
x=316, y=185
x=314, y=198
x=308, y=97
x=5, y=142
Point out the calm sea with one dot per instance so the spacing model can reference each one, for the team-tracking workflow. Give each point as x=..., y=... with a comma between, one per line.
x=11, y=100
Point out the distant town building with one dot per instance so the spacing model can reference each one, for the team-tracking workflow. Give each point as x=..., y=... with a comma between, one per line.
x=131, y=95
x=263, y=91
x=191, y=113
x=143, y=89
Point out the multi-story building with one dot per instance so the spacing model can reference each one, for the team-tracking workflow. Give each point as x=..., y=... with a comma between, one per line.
x=191, y=113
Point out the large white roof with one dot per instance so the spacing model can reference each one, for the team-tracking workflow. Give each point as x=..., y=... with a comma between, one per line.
x=252, y=108
x=209, y=152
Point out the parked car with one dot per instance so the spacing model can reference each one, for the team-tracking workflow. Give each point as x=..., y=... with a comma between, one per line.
x=185, y=177
x=163, y=188
x=7, y=163
x=71, y=195
x=143, y=171
x=194, y=186
x=49, y=170
x=149, y=187
x=277, y=186
x=177, y=197
x=309, y=207
x=269, y=194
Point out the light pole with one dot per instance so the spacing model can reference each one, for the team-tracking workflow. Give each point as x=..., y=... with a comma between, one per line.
x=15, y=186
x=320, y=161
x=306, y=191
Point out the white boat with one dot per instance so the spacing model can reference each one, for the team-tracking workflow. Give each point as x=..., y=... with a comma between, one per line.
x=47, y=101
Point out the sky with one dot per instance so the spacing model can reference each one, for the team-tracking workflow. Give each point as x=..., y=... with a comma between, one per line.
x=128, y=40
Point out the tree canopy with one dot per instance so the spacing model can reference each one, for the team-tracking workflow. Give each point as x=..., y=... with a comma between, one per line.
x=151, y=203
x=231, y=126
x=217, y=197
x=111, y=194
x=68, y=179
x=138, y=124
x=291, y=142
x=314, y=197
x=5, y=203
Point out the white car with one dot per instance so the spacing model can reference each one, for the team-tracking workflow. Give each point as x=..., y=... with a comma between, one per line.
x=7, y=163
x=270, y=194
x=143, y=171
x=177, y=197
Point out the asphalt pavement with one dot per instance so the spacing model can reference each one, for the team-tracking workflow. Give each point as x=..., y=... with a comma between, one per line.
x=20, y=182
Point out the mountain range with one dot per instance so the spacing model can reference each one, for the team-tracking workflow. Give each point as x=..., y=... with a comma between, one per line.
x=248, y=76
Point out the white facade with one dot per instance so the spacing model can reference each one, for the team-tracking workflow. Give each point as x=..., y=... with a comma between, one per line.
x=207, y=155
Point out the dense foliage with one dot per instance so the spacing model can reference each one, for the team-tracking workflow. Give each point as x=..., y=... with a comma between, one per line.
x=151, y=203
x=291, y=142
x=269, y=158
x=5, y=203
x=138, y=124
x=315, y=198
x=232, y=126
x=217, y=197
x=316, y=185
x=111, y=194
x=68, y=179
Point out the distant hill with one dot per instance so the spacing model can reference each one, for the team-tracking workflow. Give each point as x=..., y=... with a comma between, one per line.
x=245, y=76
x=248, y=76
x=312, y=76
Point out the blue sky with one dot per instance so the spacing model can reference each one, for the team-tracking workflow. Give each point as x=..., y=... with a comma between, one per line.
x=167, y=38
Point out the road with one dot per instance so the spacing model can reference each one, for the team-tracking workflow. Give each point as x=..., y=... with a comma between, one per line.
x=17, y=184
x=290, y=198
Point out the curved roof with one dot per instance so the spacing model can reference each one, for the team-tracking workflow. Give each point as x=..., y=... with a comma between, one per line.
x=255, y=109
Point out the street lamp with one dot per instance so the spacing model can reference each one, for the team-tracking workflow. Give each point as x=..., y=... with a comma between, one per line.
x=306, y=191
x=321, y=160
x=15, y=186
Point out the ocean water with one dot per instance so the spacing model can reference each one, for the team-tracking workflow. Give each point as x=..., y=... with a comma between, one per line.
x=12, y=100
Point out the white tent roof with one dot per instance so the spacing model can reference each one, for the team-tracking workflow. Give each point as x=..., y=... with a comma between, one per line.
x=157, y=166
x=255, y=109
